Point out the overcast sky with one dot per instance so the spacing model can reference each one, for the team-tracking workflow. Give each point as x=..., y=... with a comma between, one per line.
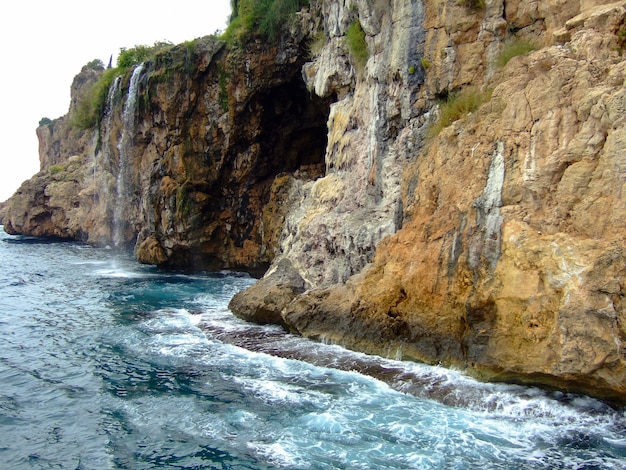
x=45, y=44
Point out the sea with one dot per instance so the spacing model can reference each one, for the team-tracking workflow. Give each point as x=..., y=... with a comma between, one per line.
x=109, y=364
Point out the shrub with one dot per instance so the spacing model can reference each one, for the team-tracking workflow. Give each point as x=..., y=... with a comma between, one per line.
x=513, y=48
x=95, y=64
x=277, y=14
x=54, y=169
x=355, y=40
x=457, y=106
x=472, y=4
x=127, y=58
x=264, y=17
x=44, y=121
x=233, y=30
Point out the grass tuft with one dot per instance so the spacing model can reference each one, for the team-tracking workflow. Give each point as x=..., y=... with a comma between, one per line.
x=514, y=48
x=355, y=40
x=55, y=169
x=457, y=106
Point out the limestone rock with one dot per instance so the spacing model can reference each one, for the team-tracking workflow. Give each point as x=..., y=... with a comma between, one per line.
x=508, y=259
x=264, y=302
x=496, y=246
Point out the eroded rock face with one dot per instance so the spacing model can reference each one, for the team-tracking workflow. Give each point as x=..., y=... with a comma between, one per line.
x=49, y=203
x=264, y=301
x=510, y=261
x=207, y=179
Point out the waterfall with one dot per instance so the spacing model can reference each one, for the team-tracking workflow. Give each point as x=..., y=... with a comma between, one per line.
x=102, y=165
x=120, y=214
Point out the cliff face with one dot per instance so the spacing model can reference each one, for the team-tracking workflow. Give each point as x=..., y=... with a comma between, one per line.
x=508, y=253
x=185, y=161
x=495, y=245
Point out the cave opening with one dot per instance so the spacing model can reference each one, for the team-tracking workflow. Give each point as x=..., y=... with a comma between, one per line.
x=293, y=131
x=282, y=129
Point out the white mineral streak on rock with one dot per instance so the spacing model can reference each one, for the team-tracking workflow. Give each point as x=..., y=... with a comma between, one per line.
x=486, y=244
x=510, y=259
x=337, y=222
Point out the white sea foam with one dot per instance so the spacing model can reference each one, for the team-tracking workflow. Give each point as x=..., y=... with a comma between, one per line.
x=280, y=454
x=117, y=273
x=325, y=422
x=270, y=391
x=160, y=374
x=345, y=418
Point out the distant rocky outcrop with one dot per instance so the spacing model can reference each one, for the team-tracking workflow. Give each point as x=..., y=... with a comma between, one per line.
x=492, y=242
x=190, y=152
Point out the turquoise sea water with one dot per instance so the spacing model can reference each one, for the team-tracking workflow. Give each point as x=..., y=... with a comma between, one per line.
x=107, y=364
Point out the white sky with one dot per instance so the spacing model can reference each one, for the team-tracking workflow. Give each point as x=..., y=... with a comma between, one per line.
x=45, y=44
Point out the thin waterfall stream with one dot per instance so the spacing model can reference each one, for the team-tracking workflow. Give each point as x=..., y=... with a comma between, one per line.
x=120, y=214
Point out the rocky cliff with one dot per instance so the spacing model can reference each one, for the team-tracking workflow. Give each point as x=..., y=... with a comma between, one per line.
x=491, y=239
x=188, y=158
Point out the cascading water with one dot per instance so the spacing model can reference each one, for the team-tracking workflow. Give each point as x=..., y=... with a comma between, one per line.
x=120, y=218
x=100, y=165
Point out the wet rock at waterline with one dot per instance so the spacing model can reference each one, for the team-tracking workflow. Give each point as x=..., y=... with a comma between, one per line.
x=264, y=302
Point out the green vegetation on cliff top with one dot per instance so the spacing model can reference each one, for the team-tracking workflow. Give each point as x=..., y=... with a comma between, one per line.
x=264, y=17
x=91, y=104
x=45, y=121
